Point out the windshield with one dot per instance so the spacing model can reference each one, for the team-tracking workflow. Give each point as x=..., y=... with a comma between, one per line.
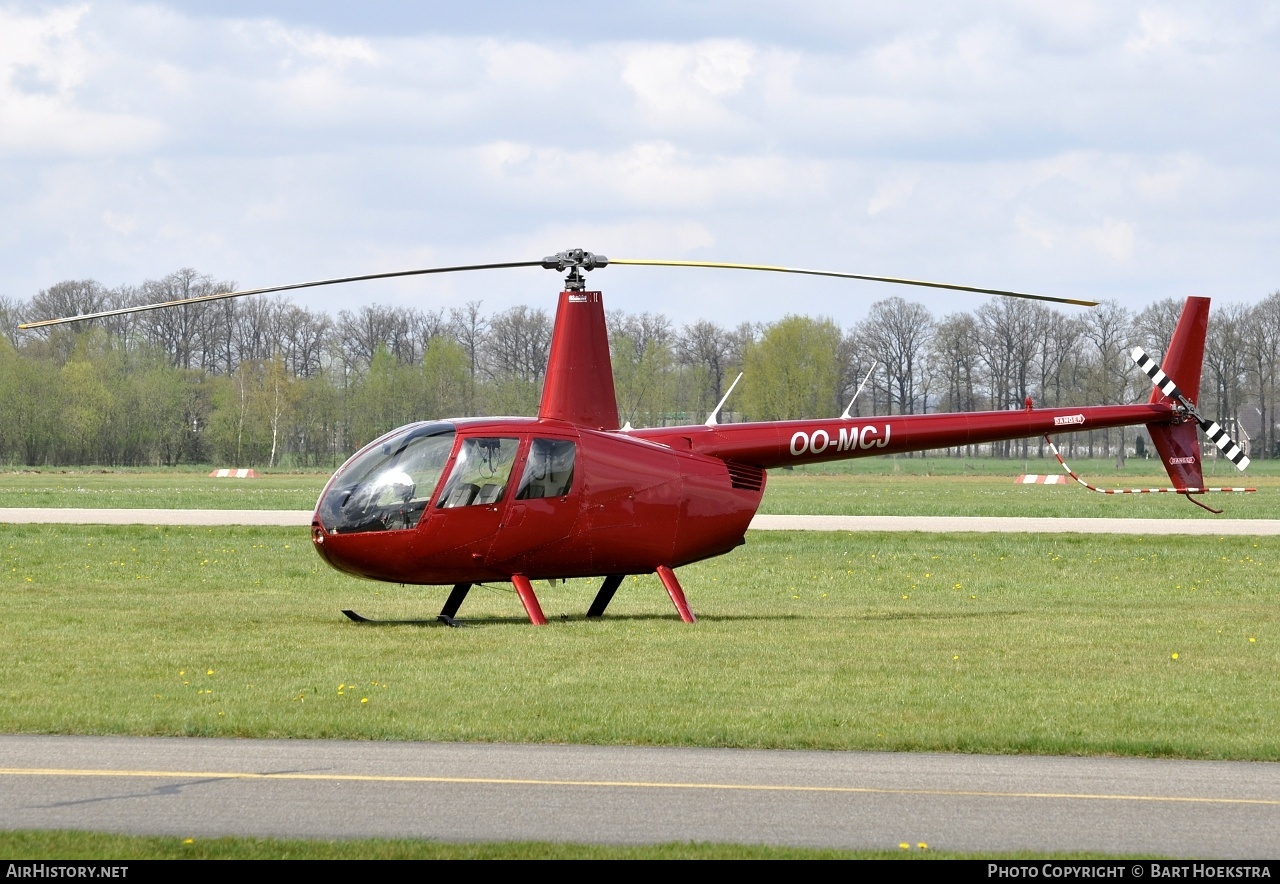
x=387, y=486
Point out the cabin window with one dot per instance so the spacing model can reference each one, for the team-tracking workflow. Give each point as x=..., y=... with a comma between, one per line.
x=480, y=472
x=548, y=471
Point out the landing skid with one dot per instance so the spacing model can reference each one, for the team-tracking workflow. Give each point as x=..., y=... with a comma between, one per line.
x=447, y=621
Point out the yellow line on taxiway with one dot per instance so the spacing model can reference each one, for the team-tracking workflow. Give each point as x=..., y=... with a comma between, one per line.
x=623, y=784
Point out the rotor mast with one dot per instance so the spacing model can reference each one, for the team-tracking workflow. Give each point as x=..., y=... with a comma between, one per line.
x=578, y=387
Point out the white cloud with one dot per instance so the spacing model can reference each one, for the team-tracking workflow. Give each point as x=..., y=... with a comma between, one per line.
x=1113, y=238
x=891, y=193
x=1123, y=150
x=649, y=175
x=44, y=66
x=686, y=84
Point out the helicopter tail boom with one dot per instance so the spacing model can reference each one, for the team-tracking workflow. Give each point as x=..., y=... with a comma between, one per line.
x=791, y=443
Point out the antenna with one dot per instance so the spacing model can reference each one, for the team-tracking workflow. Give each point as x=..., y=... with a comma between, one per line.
x=711, y=418
x=845, y=416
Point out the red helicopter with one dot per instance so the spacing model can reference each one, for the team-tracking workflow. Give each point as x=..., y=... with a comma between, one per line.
x=570, y=493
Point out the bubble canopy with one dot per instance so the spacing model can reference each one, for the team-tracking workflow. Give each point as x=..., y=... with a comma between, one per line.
x=388, y=485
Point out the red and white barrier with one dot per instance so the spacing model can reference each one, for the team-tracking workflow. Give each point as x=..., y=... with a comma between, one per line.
x=233, y=474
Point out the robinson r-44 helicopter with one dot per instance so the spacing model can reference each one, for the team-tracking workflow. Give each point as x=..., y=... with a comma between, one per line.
x=570, y=493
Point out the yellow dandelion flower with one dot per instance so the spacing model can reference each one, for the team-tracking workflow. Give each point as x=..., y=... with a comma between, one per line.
x=210, y=672
x=1252, y=639
x=904, y=845
x=364, y=699
x=922, y=845
x=1173, y=656
x=189, y=841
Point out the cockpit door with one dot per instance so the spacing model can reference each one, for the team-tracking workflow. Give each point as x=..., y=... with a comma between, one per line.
x=545, y=503
x=466, y=514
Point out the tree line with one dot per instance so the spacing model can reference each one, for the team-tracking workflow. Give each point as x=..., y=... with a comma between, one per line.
x=264, y=382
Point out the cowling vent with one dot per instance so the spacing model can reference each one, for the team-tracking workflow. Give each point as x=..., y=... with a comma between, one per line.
x=745, y=476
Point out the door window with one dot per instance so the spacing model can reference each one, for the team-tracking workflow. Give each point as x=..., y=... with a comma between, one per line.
x=480, y=472
x=548, y=471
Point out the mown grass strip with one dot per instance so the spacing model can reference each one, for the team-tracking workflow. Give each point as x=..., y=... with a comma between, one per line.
x=1029, y=644
x=63, y=845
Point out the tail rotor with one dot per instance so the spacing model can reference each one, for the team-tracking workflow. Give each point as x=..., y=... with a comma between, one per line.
x=1166, y=385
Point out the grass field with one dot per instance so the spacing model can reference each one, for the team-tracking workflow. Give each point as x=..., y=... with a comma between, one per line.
x=1017, y=643
x=100, y=488
x=1010, y=644
x=871, y=486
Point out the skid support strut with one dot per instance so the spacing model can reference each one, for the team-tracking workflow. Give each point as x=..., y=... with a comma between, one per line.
x=528, y=599
x=668, y=578
x=605, y=595
x=454, y=602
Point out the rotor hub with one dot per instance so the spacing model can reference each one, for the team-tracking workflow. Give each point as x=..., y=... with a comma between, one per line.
x=575, y=261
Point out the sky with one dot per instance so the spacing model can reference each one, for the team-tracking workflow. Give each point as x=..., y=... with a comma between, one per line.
x=1110, y=150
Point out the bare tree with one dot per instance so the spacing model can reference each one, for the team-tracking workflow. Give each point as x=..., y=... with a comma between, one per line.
x=1108, y=327
x=425, y=328
x=72, y=297
x=360, y=334
x=1224, y=359
x=469, y=329
x=957, y=355
x=708, y=348
x=518, y=344
x=1262, y=348
x=178, y=329
x=1153, y=327
x=13, y=313
x=644, y=329
x=254, y=331
x=302, y=336
x=897, y=333
x=1057, y=347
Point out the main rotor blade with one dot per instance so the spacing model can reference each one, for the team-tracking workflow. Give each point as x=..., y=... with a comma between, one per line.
x=892, y=279
x=277, y=288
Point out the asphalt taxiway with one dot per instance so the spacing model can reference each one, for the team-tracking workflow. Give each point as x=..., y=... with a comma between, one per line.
x=204, y=788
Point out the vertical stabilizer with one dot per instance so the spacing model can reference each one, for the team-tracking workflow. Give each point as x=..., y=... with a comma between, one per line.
x=579, y=382
x=1179, y=444
x=1184, y=358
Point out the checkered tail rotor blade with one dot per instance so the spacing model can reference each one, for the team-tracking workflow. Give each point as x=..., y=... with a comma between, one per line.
x=1217, y=435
